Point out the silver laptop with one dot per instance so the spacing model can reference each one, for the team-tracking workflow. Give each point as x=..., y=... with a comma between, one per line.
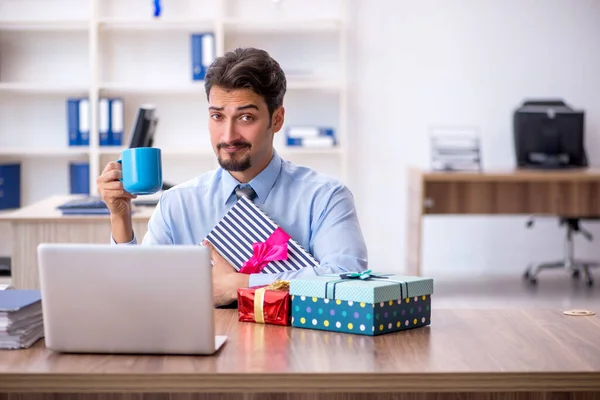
x=127, y=299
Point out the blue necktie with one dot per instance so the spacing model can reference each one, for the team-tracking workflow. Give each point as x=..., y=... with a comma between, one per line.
x=245, y=191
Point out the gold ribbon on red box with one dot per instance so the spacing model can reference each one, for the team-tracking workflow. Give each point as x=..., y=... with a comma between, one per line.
x=265, y=305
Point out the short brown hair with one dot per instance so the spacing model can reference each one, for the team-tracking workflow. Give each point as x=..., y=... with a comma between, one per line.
x=249, y=68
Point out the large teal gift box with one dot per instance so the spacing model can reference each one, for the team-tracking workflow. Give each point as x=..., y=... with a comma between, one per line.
x=364, y=303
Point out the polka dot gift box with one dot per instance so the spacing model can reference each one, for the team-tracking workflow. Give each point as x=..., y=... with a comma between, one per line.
x=364, y=303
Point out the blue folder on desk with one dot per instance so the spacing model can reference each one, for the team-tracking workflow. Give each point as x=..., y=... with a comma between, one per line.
x=88, y=205
x=85, y=206
x=21, y=318
x=14, y=300
x=85, y=211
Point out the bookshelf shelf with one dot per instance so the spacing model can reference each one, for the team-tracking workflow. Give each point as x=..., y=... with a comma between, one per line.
x=124, y=24
x=313, y=85
x=269, y=26
x=50, y=52
x=201, y=152
x=44, y=26
x=43, y=87
x=165, y=151
x=44, y=151
x=139, y=88
x=111, y=150
x=316, y=151
x=198, y=88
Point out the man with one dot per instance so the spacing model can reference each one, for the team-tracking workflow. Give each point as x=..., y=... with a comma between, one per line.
x=245, y=90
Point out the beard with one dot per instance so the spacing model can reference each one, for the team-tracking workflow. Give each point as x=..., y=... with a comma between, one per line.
x=232, y=164
x=235, y=165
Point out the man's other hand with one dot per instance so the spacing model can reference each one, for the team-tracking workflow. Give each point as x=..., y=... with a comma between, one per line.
x=226, y=280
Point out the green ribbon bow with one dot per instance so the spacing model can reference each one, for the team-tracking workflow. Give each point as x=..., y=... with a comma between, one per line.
x=363, y=276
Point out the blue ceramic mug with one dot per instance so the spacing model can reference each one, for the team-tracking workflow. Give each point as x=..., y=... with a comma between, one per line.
x=142, y=170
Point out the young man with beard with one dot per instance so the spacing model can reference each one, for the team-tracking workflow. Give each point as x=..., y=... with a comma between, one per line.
x=245, y=90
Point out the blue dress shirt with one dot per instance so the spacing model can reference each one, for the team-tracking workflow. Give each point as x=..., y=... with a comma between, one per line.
x=314, y=209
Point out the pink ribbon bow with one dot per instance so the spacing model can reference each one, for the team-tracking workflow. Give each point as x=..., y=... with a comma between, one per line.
x=273, y=249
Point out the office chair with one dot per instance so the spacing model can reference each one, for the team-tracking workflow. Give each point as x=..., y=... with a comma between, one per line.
x=569, y=263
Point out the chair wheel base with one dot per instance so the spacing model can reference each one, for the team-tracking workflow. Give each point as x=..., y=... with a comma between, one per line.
x=532, y=281
x=576, y=274
x=528, y=276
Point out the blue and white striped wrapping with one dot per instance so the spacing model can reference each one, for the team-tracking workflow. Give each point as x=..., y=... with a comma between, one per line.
x=245, y=224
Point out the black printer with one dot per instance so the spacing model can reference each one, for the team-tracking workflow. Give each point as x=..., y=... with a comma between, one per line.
x=549, y=134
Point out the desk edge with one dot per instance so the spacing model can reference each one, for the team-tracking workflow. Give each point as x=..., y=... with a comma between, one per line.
x=299, y=382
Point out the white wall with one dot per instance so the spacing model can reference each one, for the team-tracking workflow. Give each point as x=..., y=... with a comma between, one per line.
x=463, y=62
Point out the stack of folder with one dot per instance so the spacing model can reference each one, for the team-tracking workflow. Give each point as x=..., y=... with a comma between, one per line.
x=110, y=121
x=310, y=136
x=21, y=320
x=455, y=149
x=84, y=206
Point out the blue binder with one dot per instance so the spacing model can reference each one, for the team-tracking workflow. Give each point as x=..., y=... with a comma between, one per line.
x=203, y=54
x=78, y=121
x=79, y=177
x=73, y=121
x=10, y=186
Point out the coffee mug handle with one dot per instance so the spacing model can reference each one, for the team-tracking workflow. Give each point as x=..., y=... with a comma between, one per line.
x=120, y=161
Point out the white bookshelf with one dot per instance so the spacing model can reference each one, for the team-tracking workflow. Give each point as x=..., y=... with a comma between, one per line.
x=55, y=49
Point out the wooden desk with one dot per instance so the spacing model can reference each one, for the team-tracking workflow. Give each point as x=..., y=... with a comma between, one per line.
x=43, y=223
x=573, y=193
x=522, y=354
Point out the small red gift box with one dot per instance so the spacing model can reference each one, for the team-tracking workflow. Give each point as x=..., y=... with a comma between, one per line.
x=269, y=304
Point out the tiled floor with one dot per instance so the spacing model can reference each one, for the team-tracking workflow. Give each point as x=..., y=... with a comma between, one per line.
x=554, y=290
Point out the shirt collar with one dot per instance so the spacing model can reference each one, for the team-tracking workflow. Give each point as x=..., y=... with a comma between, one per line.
x=262, y=183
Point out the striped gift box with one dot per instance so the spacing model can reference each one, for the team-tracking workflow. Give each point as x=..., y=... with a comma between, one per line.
x=245, y=224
